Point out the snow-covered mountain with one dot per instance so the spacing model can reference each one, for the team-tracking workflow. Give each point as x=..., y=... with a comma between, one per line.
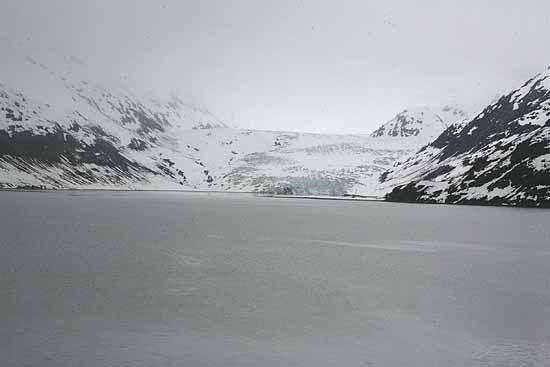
x=502, y=156
x=421, y=125
x=58, y=129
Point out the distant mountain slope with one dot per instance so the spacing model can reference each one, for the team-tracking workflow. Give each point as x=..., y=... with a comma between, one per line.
x=502, y=156
x=420, y=124
x=60, y=130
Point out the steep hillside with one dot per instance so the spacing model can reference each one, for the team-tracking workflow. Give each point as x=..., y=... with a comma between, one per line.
x=58, y=131
x=502, y=156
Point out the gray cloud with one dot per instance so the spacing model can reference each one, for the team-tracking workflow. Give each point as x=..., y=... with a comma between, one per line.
x=327, y=66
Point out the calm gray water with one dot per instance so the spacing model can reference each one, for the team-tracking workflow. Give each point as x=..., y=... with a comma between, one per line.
x=172, y=279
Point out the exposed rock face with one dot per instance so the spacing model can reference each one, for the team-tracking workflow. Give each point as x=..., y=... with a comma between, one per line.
x=501, y=157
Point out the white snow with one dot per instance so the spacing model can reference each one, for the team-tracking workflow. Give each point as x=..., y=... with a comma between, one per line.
x=541, y=163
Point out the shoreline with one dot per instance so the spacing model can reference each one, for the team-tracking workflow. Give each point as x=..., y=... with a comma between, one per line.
x=356, y=198
x=249, y=193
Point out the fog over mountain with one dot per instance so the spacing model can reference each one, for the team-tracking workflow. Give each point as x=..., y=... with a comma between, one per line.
x=315, y=66
x=61, y=130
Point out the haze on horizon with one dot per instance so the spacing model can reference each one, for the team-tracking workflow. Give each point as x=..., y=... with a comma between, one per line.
x=317, y=66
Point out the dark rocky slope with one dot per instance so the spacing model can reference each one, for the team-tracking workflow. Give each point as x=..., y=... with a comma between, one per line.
x=501, y=157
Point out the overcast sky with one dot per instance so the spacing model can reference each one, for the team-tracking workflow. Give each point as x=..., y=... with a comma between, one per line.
x=322, y=66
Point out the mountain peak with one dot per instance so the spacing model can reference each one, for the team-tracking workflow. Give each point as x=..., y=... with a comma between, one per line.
x=422, y=124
